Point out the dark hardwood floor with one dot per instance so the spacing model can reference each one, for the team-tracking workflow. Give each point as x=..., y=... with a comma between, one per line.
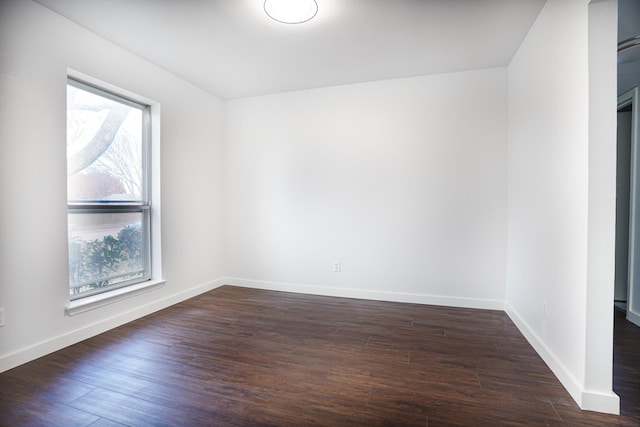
x=626, y=364
x=245, y=357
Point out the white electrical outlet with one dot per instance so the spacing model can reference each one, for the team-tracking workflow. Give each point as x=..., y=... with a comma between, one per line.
x=1, y=317
x=336, y=267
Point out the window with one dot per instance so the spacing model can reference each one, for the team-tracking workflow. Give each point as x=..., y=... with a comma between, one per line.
x=108, y=190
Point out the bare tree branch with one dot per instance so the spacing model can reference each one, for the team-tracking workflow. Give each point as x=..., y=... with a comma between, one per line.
x=123, y=161
x=100, y=142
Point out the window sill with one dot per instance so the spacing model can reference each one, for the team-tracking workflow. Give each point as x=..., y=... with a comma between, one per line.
x=100, y=300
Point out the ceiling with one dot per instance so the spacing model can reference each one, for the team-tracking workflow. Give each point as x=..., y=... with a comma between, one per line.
x=232, y=49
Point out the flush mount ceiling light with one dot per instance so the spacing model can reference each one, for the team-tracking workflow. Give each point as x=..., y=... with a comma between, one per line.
x=291, y=11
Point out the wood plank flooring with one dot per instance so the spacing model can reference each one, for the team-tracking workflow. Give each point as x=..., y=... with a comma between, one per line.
x=246, y=357
x=626, y=364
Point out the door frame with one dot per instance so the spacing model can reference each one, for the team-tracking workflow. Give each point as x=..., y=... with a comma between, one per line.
x=630, y=98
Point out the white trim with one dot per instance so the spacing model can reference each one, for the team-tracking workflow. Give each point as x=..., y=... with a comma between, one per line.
x=92, y=302
x=45, y=347
x=587, y=400
x=630, y=98
x=152, y=188
x=101, y=84
x=609, y=403
x=556, y=366
x=447, y=301
x=633, y=317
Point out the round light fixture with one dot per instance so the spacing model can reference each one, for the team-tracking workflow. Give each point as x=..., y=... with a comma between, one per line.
x=291, y=11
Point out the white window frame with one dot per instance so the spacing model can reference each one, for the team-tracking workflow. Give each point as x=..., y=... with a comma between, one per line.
x=150, y=205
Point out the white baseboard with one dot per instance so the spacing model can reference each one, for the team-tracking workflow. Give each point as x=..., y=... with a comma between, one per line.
x=559, y=370
x=633, y=317
x=448, y=301
x=609, y=403
x=43, y=348
x=587, y=400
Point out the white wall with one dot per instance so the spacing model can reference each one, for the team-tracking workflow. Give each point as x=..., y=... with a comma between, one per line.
x=36, y=49
x=598, y=394
x=562, y=194
x=402, y=181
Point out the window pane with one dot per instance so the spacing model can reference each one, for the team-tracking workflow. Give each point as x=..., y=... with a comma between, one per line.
x=105, y=250
x=109, y=241
x=104, y=148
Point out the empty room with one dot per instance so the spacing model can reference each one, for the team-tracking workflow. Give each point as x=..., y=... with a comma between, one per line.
x=319, y=212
